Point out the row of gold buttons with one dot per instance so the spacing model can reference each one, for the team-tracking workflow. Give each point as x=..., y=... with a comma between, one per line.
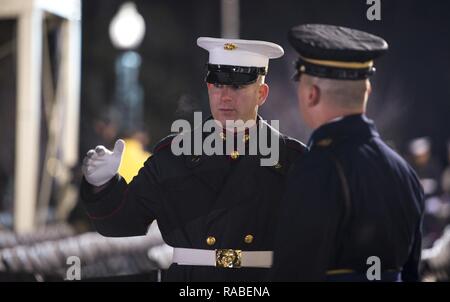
x=211, y=240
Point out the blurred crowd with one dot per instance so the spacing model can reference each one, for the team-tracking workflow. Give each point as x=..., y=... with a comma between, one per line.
x=434, y=175
x=435, y=178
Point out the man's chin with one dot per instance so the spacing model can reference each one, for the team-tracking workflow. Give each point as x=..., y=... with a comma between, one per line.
x=224, y=119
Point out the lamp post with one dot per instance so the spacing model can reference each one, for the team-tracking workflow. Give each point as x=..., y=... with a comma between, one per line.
x=127, y=30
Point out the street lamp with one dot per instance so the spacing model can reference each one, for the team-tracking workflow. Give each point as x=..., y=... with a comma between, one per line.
x=127, y=30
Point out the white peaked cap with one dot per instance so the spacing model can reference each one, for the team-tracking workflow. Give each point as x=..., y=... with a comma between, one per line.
x=236, y=52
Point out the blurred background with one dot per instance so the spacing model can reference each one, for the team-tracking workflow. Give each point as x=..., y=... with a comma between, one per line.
x=75, y=74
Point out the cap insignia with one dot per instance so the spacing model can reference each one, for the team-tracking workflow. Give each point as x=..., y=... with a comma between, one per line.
x=229, y=46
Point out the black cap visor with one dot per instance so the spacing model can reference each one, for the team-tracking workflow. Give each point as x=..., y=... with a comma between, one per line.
x=233, y=75
x=230, y=78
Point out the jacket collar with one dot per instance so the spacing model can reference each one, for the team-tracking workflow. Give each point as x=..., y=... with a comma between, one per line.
x=350, y=126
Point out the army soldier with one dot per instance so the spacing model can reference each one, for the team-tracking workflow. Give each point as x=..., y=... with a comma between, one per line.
x=359, y=205
x=217, y=211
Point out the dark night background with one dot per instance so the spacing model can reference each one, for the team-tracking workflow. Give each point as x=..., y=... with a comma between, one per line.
x=411, y=89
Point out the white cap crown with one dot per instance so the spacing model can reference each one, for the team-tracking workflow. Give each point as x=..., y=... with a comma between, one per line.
x=237, y=52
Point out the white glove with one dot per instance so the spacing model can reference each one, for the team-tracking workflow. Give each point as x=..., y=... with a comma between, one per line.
x=100, y=165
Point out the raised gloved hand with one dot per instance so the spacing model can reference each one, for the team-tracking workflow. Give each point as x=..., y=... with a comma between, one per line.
x=100, y=164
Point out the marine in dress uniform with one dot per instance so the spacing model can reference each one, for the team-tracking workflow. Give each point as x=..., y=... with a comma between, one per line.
x=351, y=197
x=219, y=211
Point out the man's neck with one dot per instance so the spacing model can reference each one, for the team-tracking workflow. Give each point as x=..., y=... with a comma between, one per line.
x=336, y=115
x=239, y=127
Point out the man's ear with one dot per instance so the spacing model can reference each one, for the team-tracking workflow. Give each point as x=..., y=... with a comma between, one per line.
x=263, y=93
x=314, y=96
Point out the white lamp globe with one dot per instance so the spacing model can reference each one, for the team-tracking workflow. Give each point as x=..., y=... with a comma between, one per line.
x=127, y=28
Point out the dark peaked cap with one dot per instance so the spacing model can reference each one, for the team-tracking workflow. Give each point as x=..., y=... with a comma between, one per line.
x=335, y=52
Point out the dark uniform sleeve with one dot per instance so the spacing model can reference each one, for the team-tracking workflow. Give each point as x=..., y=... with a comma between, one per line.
x=308, y=225
x=123, y=209
x=410, y=271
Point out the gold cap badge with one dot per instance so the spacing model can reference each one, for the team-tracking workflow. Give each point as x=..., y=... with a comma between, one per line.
x=229, y=46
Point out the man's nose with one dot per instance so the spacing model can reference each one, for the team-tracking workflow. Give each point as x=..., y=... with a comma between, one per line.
x=225, y=93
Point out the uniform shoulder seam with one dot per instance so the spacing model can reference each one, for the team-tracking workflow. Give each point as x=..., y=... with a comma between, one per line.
x=295, y=144
x=165, y=142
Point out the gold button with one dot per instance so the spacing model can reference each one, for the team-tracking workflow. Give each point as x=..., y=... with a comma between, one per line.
x=248, y=239
x=222, y=135
x=278, y=166
x=246, y=138
x=210, y=240
x=234, y=155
